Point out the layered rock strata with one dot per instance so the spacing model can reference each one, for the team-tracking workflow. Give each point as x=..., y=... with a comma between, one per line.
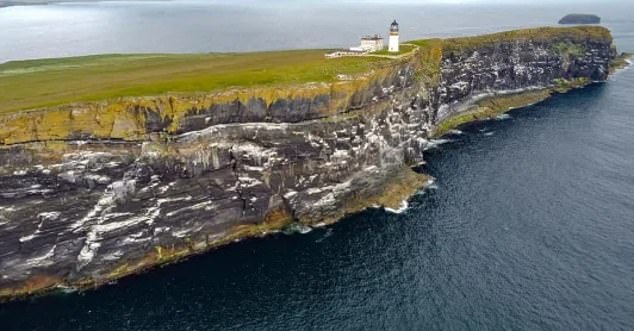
x=94, y=191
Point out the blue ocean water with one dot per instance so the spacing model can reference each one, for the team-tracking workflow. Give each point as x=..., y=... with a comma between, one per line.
x=530, y=226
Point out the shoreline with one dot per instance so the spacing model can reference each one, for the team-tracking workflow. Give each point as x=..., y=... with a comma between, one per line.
x=408, y=184
x=194, y=172
x=393, y=198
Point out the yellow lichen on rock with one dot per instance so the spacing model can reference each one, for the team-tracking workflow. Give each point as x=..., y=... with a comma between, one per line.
x=35, y=284
x=490, y=107
x=117, y=120
x=126, y=118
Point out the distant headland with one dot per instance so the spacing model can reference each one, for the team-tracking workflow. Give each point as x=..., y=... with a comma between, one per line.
x=580, y=19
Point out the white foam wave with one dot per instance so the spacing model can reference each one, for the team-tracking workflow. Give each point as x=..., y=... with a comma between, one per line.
x=327, y=234
x=432, y=186
x=400, y=210
x=434, y=143
x=456, y=132
x=66, y=289
x=297, y=228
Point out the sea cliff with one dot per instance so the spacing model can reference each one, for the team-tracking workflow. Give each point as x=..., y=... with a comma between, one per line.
x=96, y=190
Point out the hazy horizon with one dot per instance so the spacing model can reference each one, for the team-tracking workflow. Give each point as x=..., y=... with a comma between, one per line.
x=304, y=2
x=176, y=26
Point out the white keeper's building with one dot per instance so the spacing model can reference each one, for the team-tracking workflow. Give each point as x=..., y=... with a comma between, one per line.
x=372, y=43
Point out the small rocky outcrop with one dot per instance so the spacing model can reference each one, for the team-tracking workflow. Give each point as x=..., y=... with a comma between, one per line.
x=580, y=19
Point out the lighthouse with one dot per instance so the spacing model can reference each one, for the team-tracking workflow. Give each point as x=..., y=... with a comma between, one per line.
x=393, y=44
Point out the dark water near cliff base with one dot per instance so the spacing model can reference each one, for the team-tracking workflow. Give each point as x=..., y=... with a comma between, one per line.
x=531, y=227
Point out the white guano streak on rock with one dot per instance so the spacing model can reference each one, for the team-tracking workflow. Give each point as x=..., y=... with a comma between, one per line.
x=206, y=205
x=330, y=198
x=96, y=231
x=114, y=191
x=40, y=261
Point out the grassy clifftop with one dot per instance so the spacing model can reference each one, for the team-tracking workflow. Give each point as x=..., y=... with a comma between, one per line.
x=52, y=82
x=545, y=34
x=40, y=83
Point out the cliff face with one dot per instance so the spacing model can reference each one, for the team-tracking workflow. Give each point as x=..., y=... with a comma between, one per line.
x=518, y=65
x=92, y=192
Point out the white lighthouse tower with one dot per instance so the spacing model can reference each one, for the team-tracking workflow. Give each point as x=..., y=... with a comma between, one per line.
x=393, y=45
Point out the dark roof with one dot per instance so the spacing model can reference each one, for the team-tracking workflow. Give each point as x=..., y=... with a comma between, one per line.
x=394, y=23
x=375, y=37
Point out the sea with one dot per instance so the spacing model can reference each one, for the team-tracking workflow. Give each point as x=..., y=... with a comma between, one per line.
x=529, y=224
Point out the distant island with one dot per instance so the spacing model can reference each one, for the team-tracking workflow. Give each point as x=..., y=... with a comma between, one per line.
x=580, y=19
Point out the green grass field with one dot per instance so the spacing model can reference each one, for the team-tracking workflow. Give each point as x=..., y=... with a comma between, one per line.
x=403, y=49
x=543, y=34
x=39, y=83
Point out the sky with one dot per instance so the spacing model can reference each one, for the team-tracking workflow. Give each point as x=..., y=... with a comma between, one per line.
x=377, y=1
x=435, y=1
x=575, y=6
x=445, y=1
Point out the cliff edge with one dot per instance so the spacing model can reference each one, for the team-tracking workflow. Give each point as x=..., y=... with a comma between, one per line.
x=95, y=190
